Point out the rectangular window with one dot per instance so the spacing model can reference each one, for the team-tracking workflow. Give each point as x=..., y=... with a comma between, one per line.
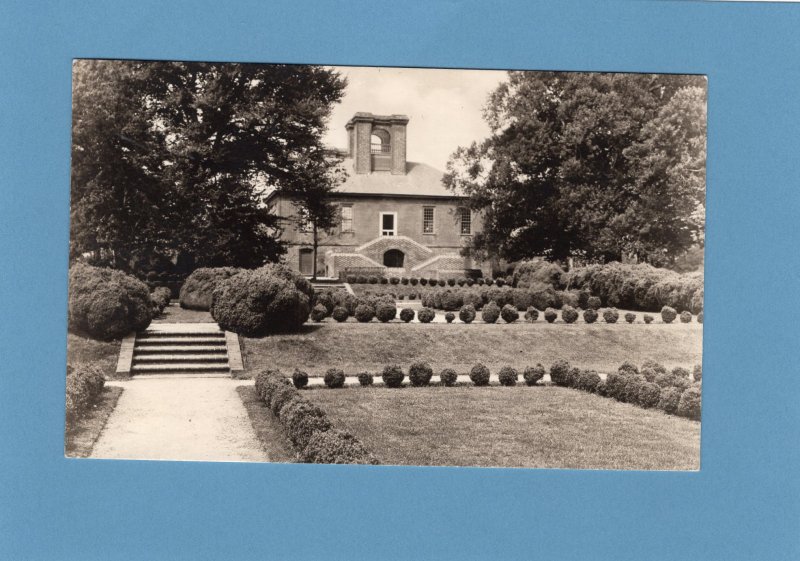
x=347, y=218
x=388, y=223
x=427, y=220
x=466, y=222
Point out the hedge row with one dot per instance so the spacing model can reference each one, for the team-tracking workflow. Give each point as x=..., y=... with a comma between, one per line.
x=85, y=383
x=310, y=431
x=676, y=392
x=424, y=281
x=198, y=288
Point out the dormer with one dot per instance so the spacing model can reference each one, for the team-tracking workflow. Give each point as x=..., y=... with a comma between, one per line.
x=377, y=143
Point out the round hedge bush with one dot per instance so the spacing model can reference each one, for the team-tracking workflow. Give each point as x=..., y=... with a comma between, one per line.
x=491, y=312
x=594, y=303
x=648, y=319
x=197, y=290
x=161, y=297
x=318, y=313
x=420, y=374
x=393, y=376
x=270, y=299
x=479, y=375
x=283, y=394
x=590, y=315
x=449, y=317
x=630, y=317
x=386, y=312
x=364, y=313
x=302, y=420
x=569, y=314
x=573, y=377
x=690, y=404
x=697, y=373
x=340, y=314
x=649, y=395
x=448, y=377
x=668, y=314
x=601, y=389
x=509, y=313
x=531, y=314
x=106, y=304
x=426, y=315
x=669, y=399
x=406, y=314
x=335, y=446
x=85, y=382
x=365, y=378
x=649, y=374
x=334, y=378
x=588, y=381
x=700, y=317
x=610, y=315
x=299, y=379
x=686, y=316
x=467, y=313
x=628, y=367
x=658, y=367
x=508, y=376
x=615, y=385
x=559, y=371
x=533, y=374
x=633, y=384
x=326, y=300
x=550, y=315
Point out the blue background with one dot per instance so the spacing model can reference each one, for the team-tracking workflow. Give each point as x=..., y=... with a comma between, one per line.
x=743, y=504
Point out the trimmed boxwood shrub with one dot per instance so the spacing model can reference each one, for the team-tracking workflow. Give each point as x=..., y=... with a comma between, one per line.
x=633, y=383
x=449, y=317
x=573, y=377
x=559, y=371
x=426, y=315
x=479, y=375
x=588, y=381
x=386, y=312
x=414, y=281
x=326, y=299
x=590, y=315
x=610, y=315
x=648, y=319
x=697, y=373
x=161, y=297
x=395, y=280
x=615, y=385
x=467, y=313
x=270, y=299
x=197, y=290
x=393, y=376
x=318, y=313
x=107, y=304
x=373, y=280
x=491, y=312
x=700, y=317
x=85, y=382
x=669, y=399
x=686, y=317
x=365, y=378
x=336, y=446
x=690, y=403
x=627, y=367
x=649, y=395
x=448, y=377
x=668, y=314
x=299, y=378
x=420, y=374
x=334, y=378
x=630, y=317
x=550, y=315
x=569, y=314
x=594, y=303
x=364, y=313
x=533, y=374
x=532, y=314
x=406, y=314
x=283, y=394
x=302, y=420
x=649, y=374
x=423, y=281
x=340, y=314
x=509, y=313
x=508, y=376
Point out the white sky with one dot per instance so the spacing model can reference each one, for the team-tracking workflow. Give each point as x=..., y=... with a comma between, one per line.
x=444, y=106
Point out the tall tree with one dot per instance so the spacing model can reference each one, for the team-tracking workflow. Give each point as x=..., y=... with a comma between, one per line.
x=177, y=157
x=553, y=177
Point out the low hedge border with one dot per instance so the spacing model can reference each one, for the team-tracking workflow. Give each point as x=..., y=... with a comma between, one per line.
x=85, y=383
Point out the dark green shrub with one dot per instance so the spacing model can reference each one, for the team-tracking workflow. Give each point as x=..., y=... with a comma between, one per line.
x=404, y=281
x=270, y=299
x=627, y=367
x=630, y=317
x=318, y=313
x=394, y=280
x=451, y=282
x=351, y=279
x=508, y=376
x=633, y=384
x=451, y=301
x=479, y=375
x=197, y=290
x=480, y=281
x=449, y=317
x=107, y=304
x=393, y=376
x=601, y=388
x=649, y=395
x=488, y=281
x=669, y=399
x=161, y=296
x=500, y=281
x=448, y=377
x=336, y=447
x=401, y=297
x=700, y=317
x=373, y=280
x=573, y=377
x=594, y=303
x=365, y=378
x=588, y=381
x=533, y=374
x=283, y=394
x=648, y=319
x=610, y=315
x=414, y=281
x=583, y=299
x=302, y=420
x=668, y=314
x=386, y=312
x=467, y=313
x=559, y=372
x=461, y=281
x=85, y=382
x=406, y=314
x=649, y=374
x=412, y=295
x=509, y=313
x=658, y=367
x=615, y=385
x=690, y=404
x=364, y=313
x=362, y=279
x=590, y=315
x=491, y=312
x=325, y=299
x=550, y=315
x=532, y=314
x=299, y=379
x=471, y=282
x=334, y=378
x=340, y=314
x=423, y=281
x=521, y=298
x=569, y=314
x=697, y=374
x=420, y=374
x=472, y=298
x=442, y=282
x=426, y=315
x=686, y=317
x=265, y=381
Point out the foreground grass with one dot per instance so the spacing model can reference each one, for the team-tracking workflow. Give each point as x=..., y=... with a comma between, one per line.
x=79, y=438
x=267, y=428
x=541, y=427
x=83, y=349
x=355, y=347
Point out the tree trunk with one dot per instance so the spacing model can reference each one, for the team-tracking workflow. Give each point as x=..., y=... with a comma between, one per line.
x=314, y=264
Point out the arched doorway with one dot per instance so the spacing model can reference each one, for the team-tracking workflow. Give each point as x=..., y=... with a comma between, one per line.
x=394, y=258
x=306, y=261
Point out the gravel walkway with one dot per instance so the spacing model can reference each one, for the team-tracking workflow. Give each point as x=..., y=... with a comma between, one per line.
x=179, y=418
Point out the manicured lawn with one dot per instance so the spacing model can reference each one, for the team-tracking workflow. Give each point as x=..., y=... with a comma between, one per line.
x=79, y=438
x=83, y=349
x=544, y=427
x=356, y=347
x=175, y=314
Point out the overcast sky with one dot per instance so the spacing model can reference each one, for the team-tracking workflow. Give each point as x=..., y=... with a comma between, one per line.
x=444, y=106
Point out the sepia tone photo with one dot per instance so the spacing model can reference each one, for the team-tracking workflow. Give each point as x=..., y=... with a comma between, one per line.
x=375, y=265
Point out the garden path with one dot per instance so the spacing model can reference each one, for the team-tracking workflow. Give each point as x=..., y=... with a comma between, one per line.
x=180, y=418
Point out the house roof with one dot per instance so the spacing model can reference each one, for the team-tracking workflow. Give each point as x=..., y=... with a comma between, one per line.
x=420, y=180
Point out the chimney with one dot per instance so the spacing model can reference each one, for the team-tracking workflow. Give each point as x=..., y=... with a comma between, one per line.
x=377, y=143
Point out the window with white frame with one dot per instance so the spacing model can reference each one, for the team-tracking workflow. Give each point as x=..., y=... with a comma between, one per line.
x=388, y=223
x=347, y=218
x=466, y=221
x=427, y=220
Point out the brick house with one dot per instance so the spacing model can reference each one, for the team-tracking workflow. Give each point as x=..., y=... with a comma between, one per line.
x=395, y=217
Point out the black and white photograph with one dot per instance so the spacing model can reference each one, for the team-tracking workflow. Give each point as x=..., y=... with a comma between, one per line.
x=385, y=265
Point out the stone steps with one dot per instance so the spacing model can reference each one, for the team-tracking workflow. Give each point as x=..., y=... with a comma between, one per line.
x=184, y=349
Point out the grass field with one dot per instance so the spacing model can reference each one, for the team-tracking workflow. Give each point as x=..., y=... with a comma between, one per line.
x=355, y=347
x=543, y=427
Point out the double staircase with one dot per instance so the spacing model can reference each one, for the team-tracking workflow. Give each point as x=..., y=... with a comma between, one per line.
x=323, y=284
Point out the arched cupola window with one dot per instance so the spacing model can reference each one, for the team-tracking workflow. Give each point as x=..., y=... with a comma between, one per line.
x=380, y=142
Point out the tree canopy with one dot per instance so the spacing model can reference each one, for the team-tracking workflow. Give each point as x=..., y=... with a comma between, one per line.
x=172, y=158
x=588, y=164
